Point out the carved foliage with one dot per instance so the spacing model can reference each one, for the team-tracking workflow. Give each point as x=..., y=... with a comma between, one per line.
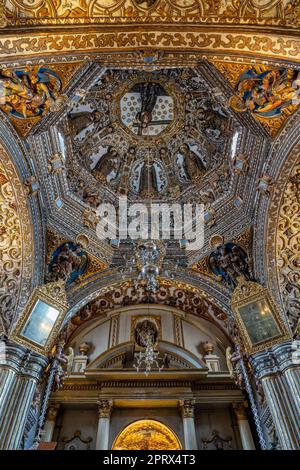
x=15, y=243
x=288, y=246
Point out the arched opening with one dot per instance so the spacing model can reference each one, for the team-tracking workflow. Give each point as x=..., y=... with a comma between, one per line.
x=146, y=434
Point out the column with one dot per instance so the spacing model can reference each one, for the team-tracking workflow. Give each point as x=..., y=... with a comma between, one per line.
x=280, y=378
x=244, y=428
x=187, y=411
x=50, y=423
x=104, y=408
x=20, y=371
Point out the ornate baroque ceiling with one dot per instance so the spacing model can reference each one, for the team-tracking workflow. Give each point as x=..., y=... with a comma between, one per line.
x=116, y=98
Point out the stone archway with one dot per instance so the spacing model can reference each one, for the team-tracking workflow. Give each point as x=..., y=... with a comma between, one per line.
x=146, y=434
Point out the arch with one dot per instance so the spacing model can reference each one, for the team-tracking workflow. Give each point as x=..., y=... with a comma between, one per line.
x=147, y=434
x=184, y=356
x=16, y=243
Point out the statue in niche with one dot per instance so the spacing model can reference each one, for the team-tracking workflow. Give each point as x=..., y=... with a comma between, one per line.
x=229, y=261
x=107, y=164
x=193, y=166
x=146, y=333
x=149, y=93
x=148, y=179
x=81, y=120
x=68, y=262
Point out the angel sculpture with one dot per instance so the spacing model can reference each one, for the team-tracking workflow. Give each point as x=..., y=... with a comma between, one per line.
x=70, y=359
x=228, y=262
x=29, y=93
x=61, y=360
x=233, y=363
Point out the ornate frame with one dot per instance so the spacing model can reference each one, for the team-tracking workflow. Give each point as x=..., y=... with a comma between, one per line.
x=247, y=293
x=53, y=294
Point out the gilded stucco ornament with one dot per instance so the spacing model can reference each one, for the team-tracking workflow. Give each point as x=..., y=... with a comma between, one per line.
x=16, y=242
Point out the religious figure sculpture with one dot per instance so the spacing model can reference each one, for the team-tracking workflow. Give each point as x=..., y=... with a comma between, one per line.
x=68, y=262
x=193, y=166
x=30, y=92
x=81, y=120
x=229, y=261
x=107, y=164
x=148, y=179
x=146, y=333
x=61, y=359
x=149, y=93
x=213, y=122
x=266, y=93
x=233, y=363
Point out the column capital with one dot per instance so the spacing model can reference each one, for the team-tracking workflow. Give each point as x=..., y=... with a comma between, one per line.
x=105, y=408
x=274, y=361
x=240, y=411
x=52, y=412
x=22, y=360
x=187, y=407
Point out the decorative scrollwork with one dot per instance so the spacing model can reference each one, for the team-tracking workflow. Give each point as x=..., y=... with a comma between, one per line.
x=15, y=242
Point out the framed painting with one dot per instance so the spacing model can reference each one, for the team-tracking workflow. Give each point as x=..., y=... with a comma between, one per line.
x=257, y=316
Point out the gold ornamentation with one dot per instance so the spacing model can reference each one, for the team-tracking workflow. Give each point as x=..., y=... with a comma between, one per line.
x=251, y=303
x=54, y=295
x=232, y=72
x=146, y=434
x=16, y=243
x=172, y=293
x=223, y=42
x=264, y=12
x=34, y=94
x=3, y=21
x=288, y=247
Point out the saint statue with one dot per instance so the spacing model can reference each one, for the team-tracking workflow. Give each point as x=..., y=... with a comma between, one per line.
x=149, y=93
x=148, y=179
x=192, y=164
x=108, y=163
x=81, y=120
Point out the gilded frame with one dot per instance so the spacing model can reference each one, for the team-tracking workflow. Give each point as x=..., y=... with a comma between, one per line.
x=248, y=293
x=54, y=295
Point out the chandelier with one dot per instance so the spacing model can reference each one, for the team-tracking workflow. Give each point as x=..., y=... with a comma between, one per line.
x=149, y=259
x=149, y=358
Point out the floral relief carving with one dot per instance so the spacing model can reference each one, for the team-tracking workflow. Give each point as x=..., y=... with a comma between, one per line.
x=216, y=11
x=15, y=244
x=288, y=247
